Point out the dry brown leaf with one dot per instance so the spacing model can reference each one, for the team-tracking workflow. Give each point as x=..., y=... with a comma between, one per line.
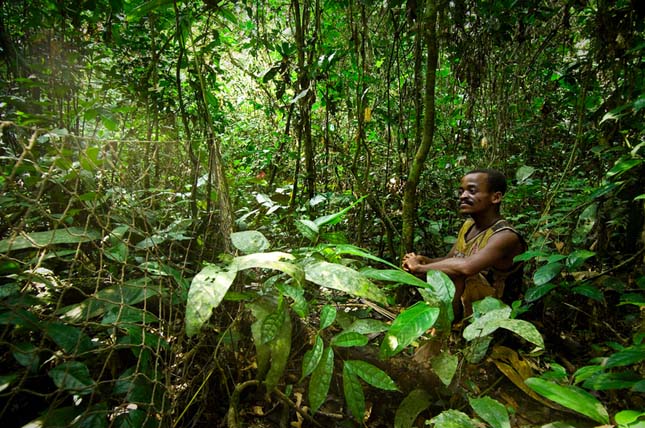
x=517, y=369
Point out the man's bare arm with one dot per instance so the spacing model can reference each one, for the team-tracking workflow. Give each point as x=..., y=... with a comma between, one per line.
x=498, y=252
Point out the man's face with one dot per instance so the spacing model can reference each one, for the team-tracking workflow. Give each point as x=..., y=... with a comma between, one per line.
x=474, y=194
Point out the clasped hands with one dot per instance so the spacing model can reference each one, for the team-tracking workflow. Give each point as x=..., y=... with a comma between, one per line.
x=412, y=262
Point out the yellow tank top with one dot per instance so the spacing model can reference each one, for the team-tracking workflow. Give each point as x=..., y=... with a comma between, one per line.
x=490, y=281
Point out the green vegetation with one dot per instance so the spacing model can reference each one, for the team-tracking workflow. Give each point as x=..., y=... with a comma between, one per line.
x=203, y=205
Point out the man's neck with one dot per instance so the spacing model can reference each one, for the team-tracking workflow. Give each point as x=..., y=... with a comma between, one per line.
x=486, y=220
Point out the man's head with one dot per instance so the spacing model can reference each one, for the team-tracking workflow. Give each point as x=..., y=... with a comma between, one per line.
x=481, y=190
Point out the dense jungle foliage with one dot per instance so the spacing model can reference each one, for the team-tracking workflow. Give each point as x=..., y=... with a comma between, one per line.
x=204, y=205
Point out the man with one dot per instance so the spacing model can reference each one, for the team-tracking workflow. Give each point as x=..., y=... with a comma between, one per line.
x=481, y=261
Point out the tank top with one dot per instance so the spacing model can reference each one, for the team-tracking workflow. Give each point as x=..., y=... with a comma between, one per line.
x=502, y=284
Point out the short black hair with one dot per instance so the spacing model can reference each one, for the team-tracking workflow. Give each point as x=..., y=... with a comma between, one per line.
x=496, y=179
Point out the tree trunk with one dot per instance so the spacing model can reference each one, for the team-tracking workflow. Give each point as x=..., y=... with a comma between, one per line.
x=409, y=194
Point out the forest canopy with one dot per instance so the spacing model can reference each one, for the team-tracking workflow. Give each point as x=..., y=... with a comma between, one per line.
x=204, y=205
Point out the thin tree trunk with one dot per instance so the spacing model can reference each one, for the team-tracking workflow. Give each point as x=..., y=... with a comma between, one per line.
x=409, y=195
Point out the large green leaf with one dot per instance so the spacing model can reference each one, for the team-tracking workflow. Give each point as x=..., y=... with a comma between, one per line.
x=70, y=235
x=445, y=366
x=372, y=375
x=321, y=379
x=71, y=339
x=486, y=324
x=354, y=396
x=280, y=349
x=352, y=250
x=609, y=380
x=130, y=293
x=312, y=357
x=626, y=357
x=536, y=293
x=343, y=278
x=347, y=339
x=407, y=327
x=272, y=260
x=206, y=293
x=442, y=286
x=491, y=411
x=308, y=228
x=524, y=329
x=73, y=376
x=327, y=316
x=570, y=397
x=250, y=241
x=394, y=275
x=367, y=326
x=546, y=273
x=272, y=324
x=578, y=258
x=331, y=219
x=406, y=414
x=453, y=419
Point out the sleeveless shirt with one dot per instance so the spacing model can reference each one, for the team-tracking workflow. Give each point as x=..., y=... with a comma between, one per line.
x=501, y=284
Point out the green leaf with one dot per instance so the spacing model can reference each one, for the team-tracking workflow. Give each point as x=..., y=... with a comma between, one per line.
x=477, y=349
x=7, y=380
x=70, y=235
x=528, y=255
x=312, y=357
x=416, y=402
x=300, y=305
x=623, y=165
x=572, y=398
x=524, y=329
x=308, y=228
x=546, y=273
x=27, y=355
x=372, y=375
x=578, y=258
x=280, y=349
x=71, y=339
x=327, y=316
x=73, y=376
x=368, y=326
x=130, y=293
x=628, y=417
x=347, y=339
x=536, y=293
x=62, y=417
x=445, y=366
x=453, y=419
x=352, y=250
x=626, y=357
x=394, y=275
x=272, y=260
x=486, y=324
x=250, y=241
x=523, y=173
x=272, y=324
x=608, y=380
x=354, y=396
x=342, y=278
x=321, y=379
x=407, y=327
x=336, y=218
x=206, y=293
x=590, y=291
x=491, y=411
x=442, y=287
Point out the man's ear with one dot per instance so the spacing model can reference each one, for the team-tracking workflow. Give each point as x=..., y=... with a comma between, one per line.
x=497, y=198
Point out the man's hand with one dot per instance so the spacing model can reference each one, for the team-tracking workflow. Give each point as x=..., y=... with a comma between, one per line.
x=412, y=262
